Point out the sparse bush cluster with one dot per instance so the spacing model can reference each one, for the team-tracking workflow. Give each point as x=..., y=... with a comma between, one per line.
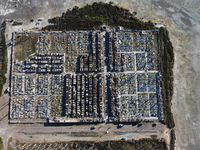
x=15, y=23
x=31, y=20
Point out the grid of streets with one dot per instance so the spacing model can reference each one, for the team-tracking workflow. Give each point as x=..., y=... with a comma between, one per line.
x=86, y=76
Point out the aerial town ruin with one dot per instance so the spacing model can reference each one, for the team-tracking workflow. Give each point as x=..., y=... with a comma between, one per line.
x=106, y=75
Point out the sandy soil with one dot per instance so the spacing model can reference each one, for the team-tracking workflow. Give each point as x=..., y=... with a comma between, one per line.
x=182, y=19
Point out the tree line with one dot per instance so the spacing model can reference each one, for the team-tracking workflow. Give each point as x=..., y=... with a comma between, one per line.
x=3, y=58
x=93, y=16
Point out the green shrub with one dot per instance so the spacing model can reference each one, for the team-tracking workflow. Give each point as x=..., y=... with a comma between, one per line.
x=167, y=63
x=3, y=58
x=173, y=139
x=1, y=144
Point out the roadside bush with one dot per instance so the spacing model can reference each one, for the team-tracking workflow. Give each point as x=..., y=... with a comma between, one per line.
x=3, y=60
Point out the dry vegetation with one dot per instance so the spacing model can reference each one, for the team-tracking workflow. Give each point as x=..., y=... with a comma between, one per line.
x=143, y=144
x=25, y=45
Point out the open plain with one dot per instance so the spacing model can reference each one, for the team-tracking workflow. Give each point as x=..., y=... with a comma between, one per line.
x=183, y=23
